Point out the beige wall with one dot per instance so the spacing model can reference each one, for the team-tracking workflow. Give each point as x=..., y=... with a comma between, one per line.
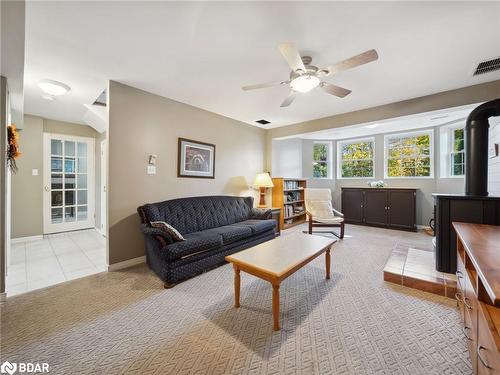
x=140, y=124
x=27, y=190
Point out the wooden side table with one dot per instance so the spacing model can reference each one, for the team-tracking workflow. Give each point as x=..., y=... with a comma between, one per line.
x=275, y=214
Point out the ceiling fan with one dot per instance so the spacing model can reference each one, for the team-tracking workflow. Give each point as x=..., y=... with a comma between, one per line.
x=304, y=77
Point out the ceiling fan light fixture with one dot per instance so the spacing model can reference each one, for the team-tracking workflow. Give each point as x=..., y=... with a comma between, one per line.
x=304, y=83
x=53, y=88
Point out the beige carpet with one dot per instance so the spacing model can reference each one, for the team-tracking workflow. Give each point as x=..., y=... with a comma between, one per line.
x=126, y=323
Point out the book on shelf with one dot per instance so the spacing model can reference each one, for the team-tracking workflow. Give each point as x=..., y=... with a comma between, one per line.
x=287, y=185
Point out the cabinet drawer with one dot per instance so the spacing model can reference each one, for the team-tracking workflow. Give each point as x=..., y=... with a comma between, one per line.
x=488, y=357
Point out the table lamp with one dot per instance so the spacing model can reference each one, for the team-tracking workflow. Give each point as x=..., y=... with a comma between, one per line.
x=262, y=181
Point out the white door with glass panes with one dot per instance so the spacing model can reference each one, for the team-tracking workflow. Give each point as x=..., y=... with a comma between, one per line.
x=68, y=196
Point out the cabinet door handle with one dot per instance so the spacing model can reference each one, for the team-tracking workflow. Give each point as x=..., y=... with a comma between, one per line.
x=478, y=351
x=467, y=303
x=460, y=274
x=458, y=297
x=464, y=330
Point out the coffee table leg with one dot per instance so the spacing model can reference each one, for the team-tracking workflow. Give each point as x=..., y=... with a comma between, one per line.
x=328, y=260
x=276, y=307
x=236, y=286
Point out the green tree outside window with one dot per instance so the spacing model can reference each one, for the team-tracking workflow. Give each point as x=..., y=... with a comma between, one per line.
x=356, y=159
x=320, y=160
x=409, y=156
x=458, y=152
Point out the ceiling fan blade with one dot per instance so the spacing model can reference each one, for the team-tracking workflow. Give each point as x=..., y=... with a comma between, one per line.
x=335, y=90
x=292, y=56
x=362, y=58
x=289, y=99
x=263, y=85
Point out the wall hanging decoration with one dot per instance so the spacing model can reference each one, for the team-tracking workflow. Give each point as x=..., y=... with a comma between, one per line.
x=12, y=147
x=195, y=159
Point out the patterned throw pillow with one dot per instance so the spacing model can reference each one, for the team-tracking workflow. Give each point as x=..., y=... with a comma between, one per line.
x=168, y=229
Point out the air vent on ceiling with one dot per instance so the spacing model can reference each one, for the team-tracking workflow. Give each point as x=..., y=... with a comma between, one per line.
x=263, y=122
x=487, y=66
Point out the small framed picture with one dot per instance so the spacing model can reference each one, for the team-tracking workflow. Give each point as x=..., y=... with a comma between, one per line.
x=195, y=159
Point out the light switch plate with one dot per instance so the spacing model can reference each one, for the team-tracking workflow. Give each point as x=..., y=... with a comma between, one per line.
x=34, y=172
x=151, y=169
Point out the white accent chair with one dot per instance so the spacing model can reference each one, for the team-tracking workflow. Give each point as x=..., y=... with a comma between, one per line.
x=321, y=213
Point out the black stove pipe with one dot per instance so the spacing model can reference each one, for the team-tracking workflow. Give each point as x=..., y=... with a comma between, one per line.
x=476, y=148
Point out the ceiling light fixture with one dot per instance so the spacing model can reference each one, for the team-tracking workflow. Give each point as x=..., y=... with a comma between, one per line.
x=372, y=126
x=304, y=83
x=53, y=88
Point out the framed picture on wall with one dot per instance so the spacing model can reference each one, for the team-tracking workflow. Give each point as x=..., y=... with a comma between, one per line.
x=195, y=159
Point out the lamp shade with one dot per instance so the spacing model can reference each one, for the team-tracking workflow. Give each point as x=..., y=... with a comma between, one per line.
x=263, y=180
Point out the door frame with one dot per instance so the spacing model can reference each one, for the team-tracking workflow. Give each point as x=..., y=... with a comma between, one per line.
x=46, y=183
x=103, y=188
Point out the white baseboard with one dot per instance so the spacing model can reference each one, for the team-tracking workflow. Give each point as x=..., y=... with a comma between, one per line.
x=26, y=239
x=100, y=231
x=126, y=263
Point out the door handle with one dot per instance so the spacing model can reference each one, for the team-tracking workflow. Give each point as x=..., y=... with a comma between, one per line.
x=46, y=188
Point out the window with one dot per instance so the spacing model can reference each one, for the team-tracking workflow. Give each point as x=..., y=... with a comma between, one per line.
x=409, y=155
x=355, y=158
x=321, y=159
x=457, y=155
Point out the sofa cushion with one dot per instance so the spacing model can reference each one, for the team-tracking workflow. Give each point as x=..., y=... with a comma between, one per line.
x=194, y=243
x=231, y=233
x=257, y=226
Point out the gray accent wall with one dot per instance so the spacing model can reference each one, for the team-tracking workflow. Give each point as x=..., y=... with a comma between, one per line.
x=140, y=124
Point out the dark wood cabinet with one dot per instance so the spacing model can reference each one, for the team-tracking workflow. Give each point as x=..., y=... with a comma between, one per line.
x=383, y=207
x=375, y=207
x=401, y=206
x=352, y=205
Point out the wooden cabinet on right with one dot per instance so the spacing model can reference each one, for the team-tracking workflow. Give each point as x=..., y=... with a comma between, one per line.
x=381, y=207
x=478, y=293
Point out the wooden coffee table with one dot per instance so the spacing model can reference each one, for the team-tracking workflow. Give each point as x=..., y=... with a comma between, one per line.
x=277, y=259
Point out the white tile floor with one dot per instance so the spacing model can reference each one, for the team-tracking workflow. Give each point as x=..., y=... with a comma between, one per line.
x=56, y=258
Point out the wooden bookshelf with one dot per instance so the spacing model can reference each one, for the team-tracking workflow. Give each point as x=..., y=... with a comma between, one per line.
x=288, y=194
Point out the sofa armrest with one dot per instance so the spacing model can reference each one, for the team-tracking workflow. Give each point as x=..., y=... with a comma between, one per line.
x=155, y=232
x=261, y=213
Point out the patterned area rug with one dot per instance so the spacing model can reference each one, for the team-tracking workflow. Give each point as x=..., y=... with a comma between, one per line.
x=355, y=323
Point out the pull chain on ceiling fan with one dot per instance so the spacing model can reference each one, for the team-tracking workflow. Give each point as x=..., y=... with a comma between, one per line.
x=304, y=77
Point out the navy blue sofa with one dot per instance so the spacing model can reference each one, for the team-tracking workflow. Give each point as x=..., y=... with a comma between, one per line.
x=213, y=227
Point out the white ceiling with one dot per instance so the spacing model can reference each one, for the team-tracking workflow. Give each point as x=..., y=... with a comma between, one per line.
x=202, y=53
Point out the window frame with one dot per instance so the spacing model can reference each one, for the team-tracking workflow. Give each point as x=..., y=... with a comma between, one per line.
x=450, y=151
x=329, y=164
x=416, y=133
x=340, y=143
